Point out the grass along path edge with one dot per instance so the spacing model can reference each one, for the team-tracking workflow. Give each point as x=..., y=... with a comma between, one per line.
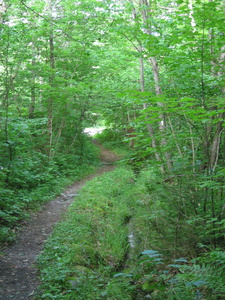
x=91, y=243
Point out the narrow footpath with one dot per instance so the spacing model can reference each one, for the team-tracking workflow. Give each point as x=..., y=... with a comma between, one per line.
x=18, y=271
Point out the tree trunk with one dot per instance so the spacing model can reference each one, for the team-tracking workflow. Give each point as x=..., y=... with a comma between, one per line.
x=33, y=93
x=50, y=99
x=215, y=140
x=3, y=9
x=145, y=105
x=155, y=69
x=215, y=146
x=49, y=9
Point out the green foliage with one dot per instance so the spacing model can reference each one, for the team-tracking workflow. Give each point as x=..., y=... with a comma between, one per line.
x=154, y=277
x=109, y=137
x=91, y=255
x=91, y=243
x=34, y=180
x=62, y=68
x=114, y=140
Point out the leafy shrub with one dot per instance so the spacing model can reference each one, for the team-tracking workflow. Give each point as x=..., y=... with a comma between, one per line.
x=32, y=180
x=157, y=279
x=113, y=139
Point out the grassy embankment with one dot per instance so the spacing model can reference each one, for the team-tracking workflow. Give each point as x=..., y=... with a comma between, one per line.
x=121, y=239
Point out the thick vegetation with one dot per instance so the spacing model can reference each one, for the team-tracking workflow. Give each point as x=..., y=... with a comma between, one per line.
x=122, y=239
x=154, y=72
x=33, y=180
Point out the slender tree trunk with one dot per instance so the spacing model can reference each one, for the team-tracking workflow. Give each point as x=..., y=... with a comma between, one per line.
x=32, y=91
x=162, y=122
x=191, y=12
x=215, y=147
x=174, y=136
x=145, y=105
x=155, y=69
x=57, y=139
x=5, y=103
x=3, y=9
x=142, y=89
x=214, y=139
x=50, y=99
x=49, y=9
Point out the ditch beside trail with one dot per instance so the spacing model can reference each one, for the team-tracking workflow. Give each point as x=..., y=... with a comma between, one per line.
x=18, y=271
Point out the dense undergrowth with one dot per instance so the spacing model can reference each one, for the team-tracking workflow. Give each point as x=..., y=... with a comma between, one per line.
x=134, y=236
x=91, y=255
x=32, y=180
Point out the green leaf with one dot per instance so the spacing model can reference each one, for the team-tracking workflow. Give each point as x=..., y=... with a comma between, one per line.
x=123, y=274
x=180, y=260
x=150, y=252
x=198, y=283
x=174, y=266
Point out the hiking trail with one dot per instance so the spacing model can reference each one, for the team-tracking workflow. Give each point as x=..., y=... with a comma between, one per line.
x=18, y=270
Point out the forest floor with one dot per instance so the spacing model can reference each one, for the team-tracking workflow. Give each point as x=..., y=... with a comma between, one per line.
x=18, y=270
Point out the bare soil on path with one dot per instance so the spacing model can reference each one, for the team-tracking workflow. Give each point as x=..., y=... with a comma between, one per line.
x=18, y=271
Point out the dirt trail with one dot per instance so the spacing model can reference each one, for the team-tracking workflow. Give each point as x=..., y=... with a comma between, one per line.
x=18, y=272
